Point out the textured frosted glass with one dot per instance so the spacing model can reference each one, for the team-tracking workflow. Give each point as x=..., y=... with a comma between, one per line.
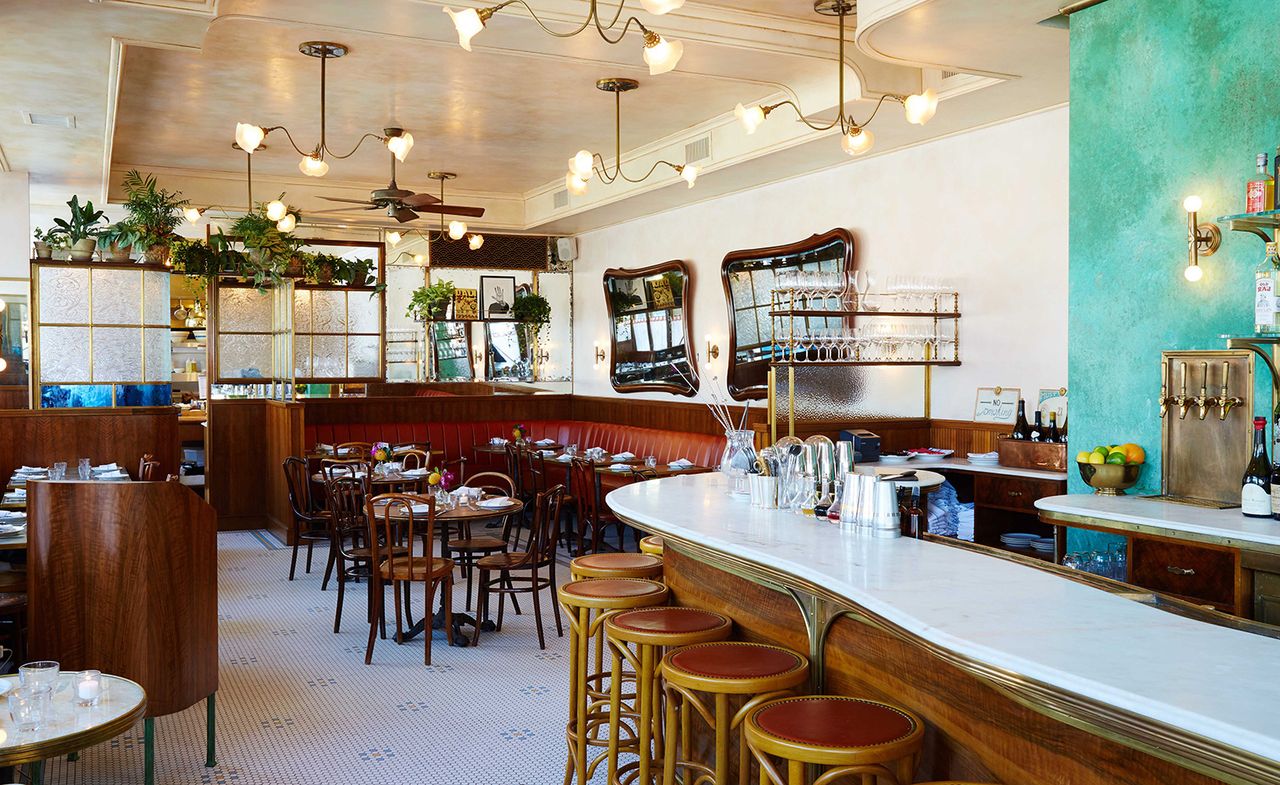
x=157, y=356
x=64, y=354
x=117, y=354
x=302, y=310
x=747, y=333
x=64, y=296
x=302, y=356
x=329, y=356
x=328, y=312
x=362, y=312
x=155, y=298
x=362, y=357
x=244, y=310
x=764, y=283
x=740, y=286
x=244, y=356
x=117, y=296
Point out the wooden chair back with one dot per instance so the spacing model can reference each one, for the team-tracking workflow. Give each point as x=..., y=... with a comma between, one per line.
x=344, y=497
x=414, y=459
x=583, y=476
x=333, y=468
x=149, y=470
x=352, y=450
x=392, y=522
x=298, y=481
x=546, y=522
x=513, y=464
x=493, y=482
x=535, y=474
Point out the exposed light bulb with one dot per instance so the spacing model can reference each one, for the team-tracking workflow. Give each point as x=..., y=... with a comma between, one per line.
x=3, y=364
x=582, y=165
x=192, y=214
x=661, y=54
x=288, y=223
x=1192, y=204
x=660, y=7
x=476, y=241
x=457, y=229
x=400, y=145
x=249, y=136
x=575, y=184
x=751, y=118
x=857, y=141
x=920, y=107
x=276, y=210
x=690, y=174
x=2, y=305
x=313, y=166
x=1193, y=273
x=468, y=24
x=393, y=239
x=419, y=259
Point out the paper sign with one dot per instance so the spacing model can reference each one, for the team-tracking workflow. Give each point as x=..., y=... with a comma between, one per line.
x=997, y=404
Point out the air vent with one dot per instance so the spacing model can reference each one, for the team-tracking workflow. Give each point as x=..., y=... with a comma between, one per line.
x=52, y=120
x=561, y=198
x=949, y=74
x=697, y=150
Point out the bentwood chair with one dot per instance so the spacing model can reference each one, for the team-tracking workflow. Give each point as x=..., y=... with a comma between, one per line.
x=148, y=468
x=392, y=522
x=414, y=459
x=402, y=447
x=538, y=565
x=309, y=525
x=349, y=554
x=593, y=517
x=469, y=548
x=360, y=450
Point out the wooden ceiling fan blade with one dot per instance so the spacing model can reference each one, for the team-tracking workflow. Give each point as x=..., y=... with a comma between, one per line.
x=419, y=199
x=403, y=214
x=348, y=201
x=341, y=210
x=450, y=209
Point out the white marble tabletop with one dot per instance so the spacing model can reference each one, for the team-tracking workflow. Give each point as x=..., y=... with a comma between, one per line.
x=1078, y=639
x=962, y=464
x=1228, y=524
x=121, y=697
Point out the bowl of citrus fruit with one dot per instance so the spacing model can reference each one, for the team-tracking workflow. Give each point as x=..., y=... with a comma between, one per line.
x=1111, y=469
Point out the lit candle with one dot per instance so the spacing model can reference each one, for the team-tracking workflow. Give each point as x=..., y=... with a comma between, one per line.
x=89, y=688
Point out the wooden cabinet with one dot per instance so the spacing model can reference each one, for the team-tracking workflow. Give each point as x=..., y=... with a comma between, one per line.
x=1200, y=573
x=1015, y=494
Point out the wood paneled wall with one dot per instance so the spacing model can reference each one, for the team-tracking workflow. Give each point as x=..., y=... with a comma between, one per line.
x=668, y=415
x=283, y=438
x=42, y=437
x=235, y=463
x=460, y=408
x=965, y=436
x=15, y=396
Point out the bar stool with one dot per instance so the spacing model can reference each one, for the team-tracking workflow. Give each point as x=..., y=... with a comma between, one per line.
x=651, y=545
x=846, y=736
x=723, y=670
x=587, y=603
x=616, y=565
x=638, y=637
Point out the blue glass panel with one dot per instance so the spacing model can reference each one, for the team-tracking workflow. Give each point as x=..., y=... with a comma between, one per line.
x=75, y=396
x=144, y=395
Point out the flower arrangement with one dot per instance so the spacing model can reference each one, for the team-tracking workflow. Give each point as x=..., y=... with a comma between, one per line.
x=518, y=432
x=441, y=478
x=381, y=452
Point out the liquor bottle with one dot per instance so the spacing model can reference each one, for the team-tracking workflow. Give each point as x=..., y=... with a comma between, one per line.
x=1021, y=428
x=1037, y=430
x=1255, y=488
x=1260, y=192
x=1265, y=279
x=1053, y=436
x=1275, y=467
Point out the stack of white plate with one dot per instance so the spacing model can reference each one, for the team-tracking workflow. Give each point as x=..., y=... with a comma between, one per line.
x=1043, y=545
x=1018, y=539
x=984, y=458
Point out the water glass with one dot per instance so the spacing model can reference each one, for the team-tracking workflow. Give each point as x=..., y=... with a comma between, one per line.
x=85, y=469
x=650, y=462
x=58, y=471
x=41, y=674
x=29, y=707
x=571, y=450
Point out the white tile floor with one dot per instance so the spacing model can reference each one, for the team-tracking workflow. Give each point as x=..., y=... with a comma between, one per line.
x=297, y=705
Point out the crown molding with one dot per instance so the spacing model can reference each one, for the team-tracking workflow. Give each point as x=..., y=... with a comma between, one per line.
x=194, y=7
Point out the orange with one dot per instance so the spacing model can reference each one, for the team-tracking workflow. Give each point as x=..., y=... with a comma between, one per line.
x=1133, y=453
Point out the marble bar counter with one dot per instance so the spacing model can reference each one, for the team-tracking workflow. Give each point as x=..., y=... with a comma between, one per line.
x=1154, y=516
x=1025, y=675
x=962, y=464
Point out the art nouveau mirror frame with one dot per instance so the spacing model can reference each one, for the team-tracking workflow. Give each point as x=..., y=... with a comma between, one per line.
x=686, y=389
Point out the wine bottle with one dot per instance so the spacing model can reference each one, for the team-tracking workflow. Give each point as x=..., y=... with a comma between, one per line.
x=1275, y=467
x=1260, y=191
x=1265, y=278
x=1053, y=436
x=1255, y=488
x=1021, y=428
x=1037, y=430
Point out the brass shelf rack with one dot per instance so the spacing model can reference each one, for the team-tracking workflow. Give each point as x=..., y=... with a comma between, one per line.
x=1263, y=224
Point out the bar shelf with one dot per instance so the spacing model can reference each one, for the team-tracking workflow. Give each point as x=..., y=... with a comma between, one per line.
x=1263, y=224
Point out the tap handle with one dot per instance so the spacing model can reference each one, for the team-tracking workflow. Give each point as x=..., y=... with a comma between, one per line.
x=1183, y=384
x=1204, y=378
x=1226, y=375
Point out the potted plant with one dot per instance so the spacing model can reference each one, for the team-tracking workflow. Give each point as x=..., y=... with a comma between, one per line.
x=269, y=250
x=119, y=239
x=532, y=309
x=81, y=231
x=359, y=272
x=42, y=244
x=155, y=213
x=323, y=268
x=430, y=303
x=202, y=261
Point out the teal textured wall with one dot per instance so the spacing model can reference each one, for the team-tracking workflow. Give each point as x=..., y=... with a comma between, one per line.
x=1168, y=98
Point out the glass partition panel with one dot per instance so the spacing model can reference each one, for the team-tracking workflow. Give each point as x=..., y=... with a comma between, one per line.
x=749, y=278
x=338, y=334
x=451, y=342
x=649, y=312
x=555, y=341
x=509, y=353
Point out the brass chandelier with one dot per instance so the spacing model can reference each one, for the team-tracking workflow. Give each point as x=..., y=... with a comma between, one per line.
x=856, y=138
x=313, y=163
x=660, y=54
x=583, y=166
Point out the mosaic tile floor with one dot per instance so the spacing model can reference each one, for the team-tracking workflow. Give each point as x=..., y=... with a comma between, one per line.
x=297, y=705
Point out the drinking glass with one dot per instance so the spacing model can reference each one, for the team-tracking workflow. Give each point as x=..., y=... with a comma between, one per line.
x=41, y=674
x=650, y=461
x=29, y=707
x=85, y=469
x=58, y=471
x=571, y=450
x=862, y=285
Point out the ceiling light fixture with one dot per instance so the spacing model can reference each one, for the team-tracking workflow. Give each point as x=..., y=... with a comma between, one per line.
x=454, y=230
x=918, y=108
x=661, y=54
x=313, y=164
x=393, y=239
x=583, y=165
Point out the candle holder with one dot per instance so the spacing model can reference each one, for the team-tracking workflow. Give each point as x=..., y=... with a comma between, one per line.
x=88, y=688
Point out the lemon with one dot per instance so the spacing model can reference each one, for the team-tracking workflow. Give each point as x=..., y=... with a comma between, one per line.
x=1097, y=458
x=1116, y=458
x=1083, y=456
x=434, y=479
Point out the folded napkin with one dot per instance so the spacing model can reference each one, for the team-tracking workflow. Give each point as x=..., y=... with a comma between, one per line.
x=548, y=453
x=464, y=491
x=620, y=467
x=545, y=441
x=32, y=470
x=324, y=448
x=420, y=509
x=624, y=456
x=680, y=463
x=985, y=456
x=415, y=472
x=496, y=503
x=19, y=492
x=116, y=475
x=106, y=467
x=565, y=458
x=12, y=515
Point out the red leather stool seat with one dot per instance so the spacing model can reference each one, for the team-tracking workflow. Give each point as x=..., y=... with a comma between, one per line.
x=831, y=721
x=672, y=620
x=735, y=660
x=612, y=587
x=619, y=561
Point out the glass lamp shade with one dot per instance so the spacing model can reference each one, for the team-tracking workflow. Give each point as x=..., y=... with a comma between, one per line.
x=1192, y=204
x=751, y=117
x=419, y=259
x=857, y=141
x=660, y=7
x=192, y=214
x=312, y=166
x=575, y=184
x=920, y=107
x=2, y=305
x=276, y=210
x=1193, y=273
x=457, y=229
x=581, y=165
x=689, y=173
x=393, y=239
x=288, y=223
x=663, y=56
x=400, y=145
x=3, y=364
x=468, y=24
x=249, y=136
x=477, y=240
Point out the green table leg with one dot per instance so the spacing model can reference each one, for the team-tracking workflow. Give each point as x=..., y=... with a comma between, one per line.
x=37, y=773
x=211, y=709
x=72, y=757
x=149, y=751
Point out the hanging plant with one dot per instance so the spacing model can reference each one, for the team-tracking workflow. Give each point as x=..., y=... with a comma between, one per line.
x=430, y=303
x=532, y=309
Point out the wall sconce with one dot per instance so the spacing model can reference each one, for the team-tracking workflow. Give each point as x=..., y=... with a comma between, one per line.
x=1202, y=239
x=477, y=356
x=542, y=357
x=599, y=355
x=713, y=351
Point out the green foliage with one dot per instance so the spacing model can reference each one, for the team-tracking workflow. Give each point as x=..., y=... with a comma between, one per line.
x=122, y=234
x=430, y=302
x=203, y=261
x=154, y=212
x=269, y=249
x=622, y=301
x=531, y=309
x=82, y=225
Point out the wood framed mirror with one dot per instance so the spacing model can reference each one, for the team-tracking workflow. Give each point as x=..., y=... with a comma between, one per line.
x=748, y=277
x=649, y=318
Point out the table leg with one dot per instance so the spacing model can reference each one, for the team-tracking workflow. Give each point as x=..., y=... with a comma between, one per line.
x=37, y=772
x=210, y=728
x=149, y=751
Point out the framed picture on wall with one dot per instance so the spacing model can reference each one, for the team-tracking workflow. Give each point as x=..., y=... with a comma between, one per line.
x=497, y=293
x=466, y=306
x=1053, y=399
x=997, y=404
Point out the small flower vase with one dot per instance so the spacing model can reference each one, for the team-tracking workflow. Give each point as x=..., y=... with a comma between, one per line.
x=738, y=459
x=444, y=500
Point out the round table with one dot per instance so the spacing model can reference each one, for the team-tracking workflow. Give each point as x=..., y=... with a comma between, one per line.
x=72, y=727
